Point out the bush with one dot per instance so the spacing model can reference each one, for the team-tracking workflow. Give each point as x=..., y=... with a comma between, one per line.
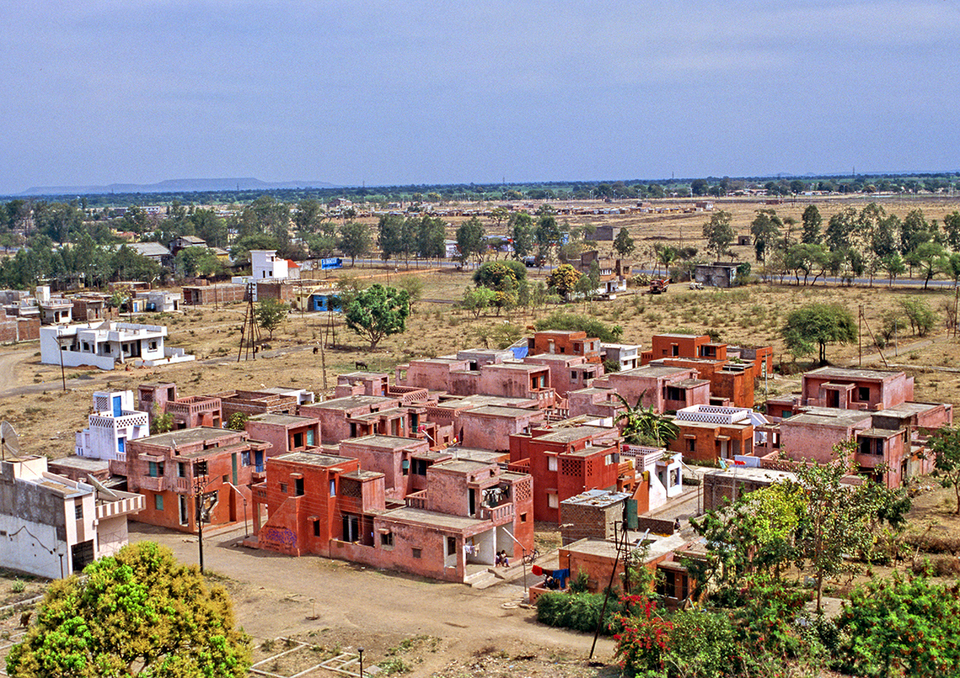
x=900, y=626
x=571, y=321
x=578, y=611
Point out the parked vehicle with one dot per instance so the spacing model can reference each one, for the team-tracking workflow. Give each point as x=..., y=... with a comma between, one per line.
x=659, y=285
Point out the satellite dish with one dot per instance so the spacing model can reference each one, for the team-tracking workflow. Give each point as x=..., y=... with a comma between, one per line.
x=110, y=494
x=9, y=440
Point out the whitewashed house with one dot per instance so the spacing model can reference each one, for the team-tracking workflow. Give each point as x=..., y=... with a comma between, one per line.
x=114, y=422
x=51, y=526
x=268, y=266
x=104, y=344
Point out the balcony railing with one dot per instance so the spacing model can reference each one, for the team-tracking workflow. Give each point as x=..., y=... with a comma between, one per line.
x=417, y=500
x=153, y=483
x=499, y=513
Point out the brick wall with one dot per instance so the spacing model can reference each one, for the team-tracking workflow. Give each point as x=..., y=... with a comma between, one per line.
x=586, y=521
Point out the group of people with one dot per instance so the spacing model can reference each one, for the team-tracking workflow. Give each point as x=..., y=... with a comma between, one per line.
x=502, y=560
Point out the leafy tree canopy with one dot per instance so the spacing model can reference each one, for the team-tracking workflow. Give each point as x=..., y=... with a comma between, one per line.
x=139, y=613
x=378, y=312
x=816, y=325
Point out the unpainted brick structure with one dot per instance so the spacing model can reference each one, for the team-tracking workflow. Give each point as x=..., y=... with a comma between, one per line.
x=565, y=342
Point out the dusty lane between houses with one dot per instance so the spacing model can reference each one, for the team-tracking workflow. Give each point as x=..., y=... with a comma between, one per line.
x=334, y=602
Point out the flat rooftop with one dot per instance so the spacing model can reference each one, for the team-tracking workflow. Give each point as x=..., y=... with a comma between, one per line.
x=81, y=463
x=650, y=371
x=283, y=419
x=494, y=411
x=852, y=373
x=600, y=498
x=433, y=519
x=462, y=465
x=478, y=400
x=752, y=473
x=572, y=433
x=828, y=416
x=383, y=442
x=187, y=436
x=313, y=459
x=351, y=402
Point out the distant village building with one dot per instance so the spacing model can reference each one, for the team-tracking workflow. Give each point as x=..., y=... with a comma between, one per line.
x=104, y=344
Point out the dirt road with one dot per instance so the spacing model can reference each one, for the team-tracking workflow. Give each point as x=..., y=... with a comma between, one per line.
x=339, y=602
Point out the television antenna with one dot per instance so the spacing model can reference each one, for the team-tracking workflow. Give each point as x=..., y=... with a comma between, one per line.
x=9, y=440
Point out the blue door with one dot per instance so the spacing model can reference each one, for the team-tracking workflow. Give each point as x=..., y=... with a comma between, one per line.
x=117, y=406
x=122, y=445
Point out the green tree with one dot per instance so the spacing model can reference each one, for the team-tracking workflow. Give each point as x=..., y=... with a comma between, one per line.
x=840, y=227
x=193, y=261
x=893, y=265
x=237, y=421
x=139, y=613
x=476, y=300
x=161, y=422
x=838, y=518
x=926, y=257
x=765, y=230
x=945, y=450
x=718, y=232
x=471, y=240
x=563, y=279
x=413, y=286
x=623, y=243
x=378, y=312
x=430, y=237
x=816, y=325
x=354, y=240
x=520, y=227
x=643, y=426
x=270, y=314
x=390, y=235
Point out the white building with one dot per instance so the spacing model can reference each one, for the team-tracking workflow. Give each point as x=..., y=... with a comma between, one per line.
x=625, y=355
x=51, y=526
x=104, y=344
x=159, y=301
x=268, y=266
x=114, y=421
x=663, y=469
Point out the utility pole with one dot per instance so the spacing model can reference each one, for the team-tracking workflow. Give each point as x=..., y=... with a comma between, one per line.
x=199, y=486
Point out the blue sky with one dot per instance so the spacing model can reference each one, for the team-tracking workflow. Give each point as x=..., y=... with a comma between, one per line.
x=411, y=92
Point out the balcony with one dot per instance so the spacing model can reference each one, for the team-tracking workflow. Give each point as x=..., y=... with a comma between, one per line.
x=498, y=514
x=183, y=486
x=153, y=483
x=417, y=500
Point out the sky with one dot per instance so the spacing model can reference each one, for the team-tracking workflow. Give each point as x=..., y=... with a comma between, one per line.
x=418, y=92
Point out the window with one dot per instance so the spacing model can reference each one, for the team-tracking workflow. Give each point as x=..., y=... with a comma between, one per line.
x=674, y=393
x=608, y=459
x=416, y=553
x=691, y=444
x=316, y=528
x=245, y=458
x=283, y=487
x=551, y=463
x=158, y=502
x=181, y=470
x=451, y=545
x=298, y=439
x=310, y=438
x=863, y=393
x=298, y=486
x=405, y=467
x=573, y=376
x=386, y=539
x=552, y=500
x=78, y=510
x=420, y=467
x=523, y=517
x=155, y=469
x=333, y=487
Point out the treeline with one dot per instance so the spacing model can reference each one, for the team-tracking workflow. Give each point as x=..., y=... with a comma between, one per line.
x=852, y=243
x=577, y=190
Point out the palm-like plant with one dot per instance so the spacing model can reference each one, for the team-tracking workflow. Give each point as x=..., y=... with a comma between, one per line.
x=643, y=426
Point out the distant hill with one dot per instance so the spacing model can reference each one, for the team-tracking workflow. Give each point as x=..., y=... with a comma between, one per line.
x=179, y=186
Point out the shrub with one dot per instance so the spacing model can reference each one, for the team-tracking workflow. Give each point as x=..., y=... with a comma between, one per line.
x=578, y=611
x=571, y=321
x=900, y=626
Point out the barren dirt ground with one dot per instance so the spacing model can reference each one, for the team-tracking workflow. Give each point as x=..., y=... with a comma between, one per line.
x=340, y=604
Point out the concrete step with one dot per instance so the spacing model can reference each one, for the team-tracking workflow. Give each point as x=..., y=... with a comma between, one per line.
x=482, y=580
